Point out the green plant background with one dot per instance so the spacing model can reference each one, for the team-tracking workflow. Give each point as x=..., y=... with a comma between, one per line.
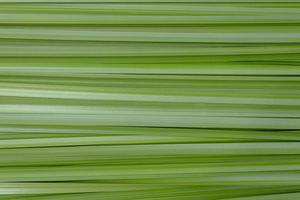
x=149, y=99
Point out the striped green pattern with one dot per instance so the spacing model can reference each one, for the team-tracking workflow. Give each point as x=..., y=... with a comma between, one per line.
x=149, y=100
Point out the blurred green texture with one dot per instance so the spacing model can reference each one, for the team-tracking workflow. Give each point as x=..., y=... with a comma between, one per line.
x=149, y=100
